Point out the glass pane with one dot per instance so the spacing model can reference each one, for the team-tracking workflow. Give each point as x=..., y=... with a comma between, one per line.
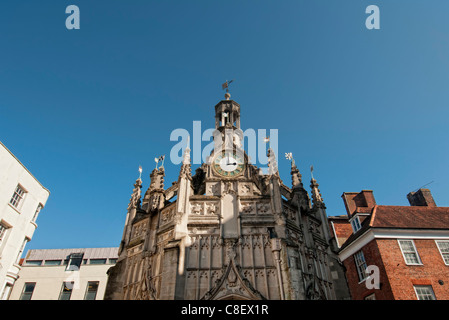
x=444, y=246
x=29, y=287
x=91, y=291
x=27, y=291
x=97, y=261
x=65, y=296
x=66, y=291
x=411, y=258
x=75, y=264
x=52, y=262
x=407, y=246
x=424, y=293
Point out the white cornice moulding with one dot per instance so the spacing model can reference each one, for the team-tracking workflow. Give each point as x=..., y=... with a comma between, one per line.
x=376, y=233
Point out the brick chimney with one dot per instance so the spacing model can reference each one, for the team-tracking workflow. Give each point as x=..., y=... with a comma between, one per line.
x=422, y=198
x=361, y=202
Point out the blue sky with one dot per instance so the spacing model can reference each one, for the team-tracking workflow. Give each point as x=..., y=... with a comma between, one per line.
x=82, y=109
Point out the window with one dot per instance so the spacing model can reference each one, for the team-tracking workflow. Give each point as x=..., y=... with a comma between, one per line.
x=52, y=262
x=66, y=291
x=33, y=263
x=39, y=208
x=360, y=265
x=409, y=252
x=17, y=197
x=3, y=234
x=91, y=290
x=97, y=261
x=3, y=230
x=112, y=261
x=27, y=291
x=21, y=250
x=424, y=293
x=6, y=291
x=443, y=246
x=75, y=261
x=356, y=224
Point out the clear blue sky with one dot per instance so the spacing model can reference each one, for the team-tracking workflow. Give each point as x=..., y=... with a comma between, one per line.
x=82, y=109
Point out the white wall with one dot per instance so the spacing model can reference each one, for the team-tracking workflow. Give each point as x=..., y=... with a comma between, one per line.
x=12, y=172
x=49, y=280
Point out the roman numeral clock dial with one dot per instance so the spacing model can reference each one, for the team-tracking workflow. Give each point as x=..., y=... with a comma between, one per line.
x=228, y=164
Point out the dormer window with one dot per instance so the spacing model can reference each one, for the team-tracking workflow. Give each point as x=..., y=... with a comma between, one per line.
x=75, y=261
x=356, y=225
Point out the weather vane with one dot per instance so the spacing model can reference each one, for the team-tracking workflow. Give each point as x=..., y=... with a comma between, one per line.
x=226, y=85
x=157, y=160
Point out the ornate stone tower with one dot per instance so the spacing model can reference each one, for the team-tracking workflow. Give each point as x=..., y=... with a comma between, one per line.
x=227, y=232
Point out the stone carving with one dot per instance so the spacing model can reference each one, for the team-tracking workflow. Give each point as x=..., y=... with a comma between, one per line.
x=211, y=208
x=167, y=216
x=197, y=208
x=229, y=250
x=228, y=187
x=134, y=202
x=289, y=213
x=204, y=242
x=217, y=242
x=266, y=241
x=247, y=207
x=139, y=230
x=213, y=189
x=263, y=208
x=245, y=189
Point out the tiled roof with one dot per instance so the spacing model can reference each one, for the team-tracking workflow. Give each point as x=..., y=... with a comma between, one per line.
x=403, y=217
x=55, y=254
x=409, y=217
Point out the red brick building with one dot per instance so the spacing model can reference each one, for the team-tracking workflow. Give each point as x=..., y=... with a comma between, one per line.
x=405, y=247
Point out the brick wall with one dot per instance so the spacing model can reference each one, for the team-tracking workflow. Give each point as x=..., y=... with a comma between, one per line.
x=402, y=277
x=396, y=277
x=359, y=290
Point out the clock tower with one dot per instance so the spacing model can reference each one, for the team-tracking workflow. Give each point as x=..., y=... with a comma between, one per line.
x=226, y=232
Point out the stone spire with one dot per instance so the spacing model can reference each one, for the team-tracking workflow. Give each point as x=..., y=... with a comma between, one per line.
x=134, y=202
x=186, y=168
x=316, y=195
x=154, y=196
x=157, y=179
x=133, y=206
x=272, y=163
x=296, y=176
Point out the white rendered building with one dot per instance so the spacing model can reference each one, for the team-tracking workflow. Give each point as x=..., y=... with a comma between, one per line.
x=64, y=274
x=21, y=199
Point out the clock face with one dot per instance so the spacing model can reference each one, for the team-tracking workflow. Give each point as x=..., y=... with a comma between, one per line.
x=228, y=164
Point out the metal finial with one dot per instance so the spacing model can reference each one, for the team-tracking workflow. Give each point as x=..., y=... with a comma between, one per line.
x=226, y=86
x=140, y=172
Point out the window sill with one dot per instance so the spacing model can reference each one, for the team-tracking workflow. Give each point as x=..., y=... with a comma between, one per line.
x=15, y=209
